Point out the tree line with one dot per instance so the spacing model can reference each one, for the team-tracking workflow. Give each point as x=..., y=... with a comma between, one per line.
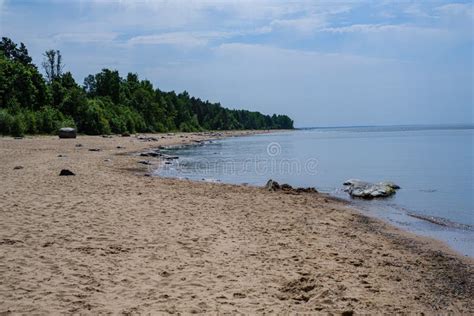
x=106, y=103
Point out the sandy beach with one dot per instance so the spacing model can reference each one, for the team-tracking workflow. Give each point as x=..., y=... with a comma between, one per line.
x=112, y=240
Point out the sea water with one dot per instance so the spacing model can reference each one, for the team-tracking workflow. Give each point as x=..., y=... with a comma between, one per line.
x=432, y=164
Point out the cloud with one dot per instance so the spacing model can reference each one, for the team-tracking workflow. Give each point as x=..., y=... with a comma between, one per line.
x=249, y=50
x=378, y=28
x=311, y=19
x=183, y=39
x=267, y=15
x=85, y=37
x=304, y=25
x=241, y=9
x=464, y=9
x=415, y=10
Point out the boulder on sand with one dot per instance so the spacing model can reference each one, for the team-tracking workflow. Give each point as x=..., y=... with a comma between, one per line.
x=66, y=172
x=367, y=190
x=275, y=186
x=67, y=132
x=272, y=185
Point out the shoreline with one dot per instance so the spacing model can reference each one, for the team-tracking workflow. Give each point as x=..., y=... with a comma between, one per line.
x=77, y=244
x=355, y=204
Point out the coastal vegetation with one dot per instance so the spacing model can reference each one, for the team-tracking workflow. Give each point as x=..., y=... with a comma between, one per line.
x=31, y=103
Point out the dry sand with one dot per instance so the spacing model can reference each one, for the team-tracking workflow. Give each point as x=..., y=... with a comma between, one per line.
x=110, y=240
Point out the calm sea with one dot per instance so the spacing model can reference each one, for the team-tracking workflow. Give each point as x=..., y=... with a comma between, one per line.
x=432, y=164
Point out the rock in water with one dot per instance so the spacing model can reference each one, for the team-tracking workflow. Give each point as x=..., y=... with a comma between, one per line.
x=66, y=172
x=272, y=185
x=390, y=184
x=67, y=132
x=367, y=190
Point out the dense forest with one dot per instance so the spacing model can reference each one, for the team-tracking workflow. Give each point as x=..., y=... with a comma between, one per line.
x=31, y=103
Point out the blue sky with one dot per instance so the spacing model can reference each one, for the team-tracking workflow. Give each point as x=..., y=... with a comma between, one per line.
x=324, y=63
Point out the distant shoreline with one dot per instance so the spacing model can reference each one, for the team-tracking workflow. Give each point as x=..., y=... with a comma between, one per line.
x=408, y=127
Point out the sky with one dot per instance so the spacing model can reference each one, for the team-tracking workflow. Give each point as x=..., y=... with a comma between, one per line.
x=324, y=63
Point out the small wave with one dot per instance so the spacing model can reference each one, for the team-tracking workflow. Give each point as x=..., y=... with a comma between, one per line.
x=428, y=190
x=212, y=180
x=440, y=221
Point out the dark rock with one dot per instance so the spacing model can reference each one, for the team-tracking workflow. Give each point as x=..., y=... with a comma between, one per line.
x=62, y=156
x=18, y=167
x=106, y=136
x=239, y=295
x=150, y=154
x=125, y=134
x=144, y=162
x=147, y=139
x=67, y=132
x=272, y=185
x=170, y=157
x=78, y=145
x=95, y=149
x=275, y=186
x=66, y=172
x=165, y=274
x=307, y=190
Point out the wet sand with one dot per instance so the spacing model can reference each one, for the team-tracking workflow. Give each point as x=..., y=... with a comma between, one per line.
x=111, y=240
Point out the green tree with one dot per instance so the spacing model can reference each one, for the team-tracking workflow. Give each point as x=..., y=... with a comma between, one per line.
x=52, y=65
x=105, y=103
x=93, y=119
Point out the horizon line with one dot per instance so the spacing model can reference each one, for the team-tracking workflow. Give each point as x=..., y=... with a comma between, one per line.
x=471, y=125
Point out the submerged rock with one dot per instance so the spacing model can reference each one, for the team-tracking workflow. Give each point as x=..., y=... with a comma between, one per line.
x=167, y=157
x=367, y=190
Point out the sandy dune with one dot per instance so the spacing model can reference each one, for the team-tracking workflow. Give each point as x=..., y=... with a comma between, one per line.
x=112, y=240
